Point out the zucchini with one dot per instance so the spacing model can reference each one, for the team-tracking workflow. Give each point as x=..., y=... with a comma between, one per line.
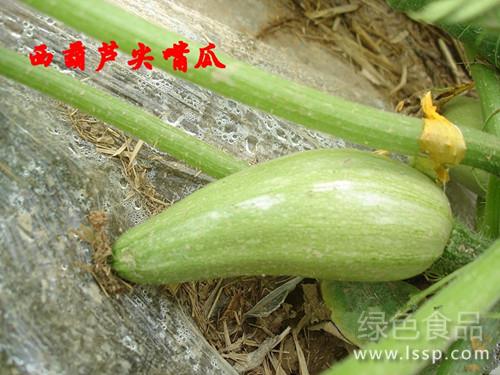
x=329, y=214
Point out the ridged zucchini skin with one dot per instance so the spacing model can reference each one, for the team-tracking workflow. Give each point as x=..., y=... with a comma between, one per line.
x=328, y=214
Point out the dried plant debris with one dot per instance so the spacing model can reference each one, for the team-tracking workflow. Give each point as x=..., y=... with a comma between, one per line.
x=96, y=235
x=440, y=96
x=129, y=152
x=272, y=302
x=277, y=340
x=115, y=144
x=397, y=55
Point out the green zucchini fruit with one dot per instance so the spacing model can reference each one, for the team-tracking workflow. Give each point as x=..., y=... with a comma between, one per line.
x=328, y=214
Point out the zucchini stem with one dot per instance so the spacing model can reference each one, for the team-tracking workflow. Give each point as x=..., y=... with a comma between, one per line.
x=488, y=86
x=252, y=86
x=115, y=111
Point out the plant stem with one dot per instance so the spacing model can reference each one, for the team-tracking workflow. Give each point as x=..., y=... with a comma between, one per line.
x=127, y=117
x=488, y=86
x=476, y=290
x=491, y=218
x=252, y=86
